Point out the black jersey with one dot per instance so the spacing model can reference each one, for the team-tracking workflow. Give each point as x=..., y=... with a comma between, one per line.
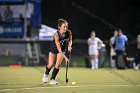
x=63, y=42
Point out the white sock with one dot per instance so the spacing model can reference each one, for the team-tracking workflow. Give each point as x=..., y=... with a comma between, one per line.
x=96, y=64
x=93, y=64
x=113, y=63
x=138, y=66
x=134, y=65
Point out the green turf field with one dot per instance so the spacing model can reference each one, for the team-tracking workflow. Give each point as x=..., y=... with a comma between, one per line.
x=28, y=80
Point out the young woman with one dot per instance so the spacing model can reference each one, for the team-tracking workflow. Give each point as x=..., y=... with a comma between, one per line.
x=62, y=42
x=93, y=43
x=112, y=50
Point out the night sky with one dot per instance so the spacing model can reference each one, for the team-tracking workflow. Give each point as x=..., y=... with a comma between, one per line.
x=103, y=16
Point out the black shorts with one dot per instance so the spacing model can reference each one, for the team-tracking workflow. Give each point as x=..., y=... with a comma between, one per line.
x=118, y=52
x=56, y=52
x=114, y=57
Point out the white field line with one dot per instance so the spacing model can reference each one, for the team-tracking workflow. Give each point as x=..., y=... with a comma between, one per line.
x=107, y=85
x=69, y=87
x=39, y=88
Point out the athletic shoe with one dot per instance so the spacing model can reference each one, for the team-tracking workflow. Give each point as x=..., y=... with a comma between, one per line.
x=45, y=78
x=92, y=68
x=136, y=68
x=53, y=82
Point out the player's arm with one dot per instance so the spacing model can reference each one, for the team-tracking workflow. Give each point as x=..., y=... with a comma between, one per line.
x=100, y=42
x=115, y=40
x=126, y=40
x=56, y=38
x=70, y=41
x=112, y=50
x=111, y=43
x=89, y=41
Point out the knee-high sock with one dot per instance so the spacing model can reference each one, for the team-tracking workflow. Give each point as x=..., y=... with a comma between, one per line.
x=54, y=73
x=113, y=63
x=96, y=63
x=47, y=70
x=93, y=63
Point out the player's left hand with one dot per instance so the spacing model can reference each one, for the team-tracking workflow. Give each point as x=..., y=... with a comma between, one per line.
x=69, y=48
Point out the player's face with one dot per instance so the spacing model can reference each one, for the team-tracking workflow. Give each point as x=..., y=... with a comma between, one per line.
x=93, y=35
x=115, y=33
x=119, y=33
x=64, y=27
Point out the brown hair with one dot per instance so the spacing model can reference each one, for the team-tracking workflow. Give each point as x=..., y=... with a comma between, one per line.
x=61, y=21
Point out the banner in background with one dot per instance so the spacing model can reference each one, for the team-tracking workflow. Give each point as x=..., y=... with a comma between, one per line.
x=32, y=11
x=36, y=13
x=12, y=30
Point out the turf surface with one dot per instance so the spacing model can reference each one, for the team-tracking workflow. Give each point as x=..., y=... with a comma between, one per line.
x=28, y=80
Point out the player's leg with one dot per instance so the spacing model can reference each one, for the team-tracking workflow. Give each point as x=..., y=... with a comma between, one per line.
x=93, y=56
x=91, y=53
x=125, y=57
x=138, y=58
x=92, y=61
x=52, y=58
x=137, y=62
x=121, y=60
x=96, y=61
x=113, y=65
x=116, y=58
x=112, y=58
x=56, y=68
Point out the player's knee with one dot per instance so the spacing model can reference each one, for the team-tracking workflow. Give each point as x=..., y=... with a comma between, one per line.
x=57, y=66
x=50, y=66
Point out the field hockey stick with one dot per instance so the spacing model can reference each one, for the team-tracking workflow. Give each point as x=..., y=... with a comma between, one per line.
x=67, y=65
x=67, y=80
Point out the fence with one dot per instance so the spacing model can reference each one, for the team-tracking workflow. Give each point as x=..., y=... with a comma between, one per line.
x=14, y=50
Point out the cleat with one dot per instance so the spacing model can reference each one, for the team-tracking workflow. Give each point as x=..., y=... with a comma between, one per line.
x=53, y=82
x=92, y=68
x=45, y=78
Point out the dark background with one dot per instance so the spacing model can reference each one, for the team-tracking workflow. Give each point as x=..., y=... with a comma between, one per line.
x=124, y=14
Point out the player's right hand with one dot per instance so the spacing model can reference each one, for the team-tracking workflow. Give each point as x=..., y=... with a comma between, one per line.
x=66, y=60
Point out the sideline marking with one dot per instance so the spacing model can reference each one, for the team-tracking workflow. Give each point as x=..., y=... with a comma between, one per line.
x=70, y=87
x=40, y=88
